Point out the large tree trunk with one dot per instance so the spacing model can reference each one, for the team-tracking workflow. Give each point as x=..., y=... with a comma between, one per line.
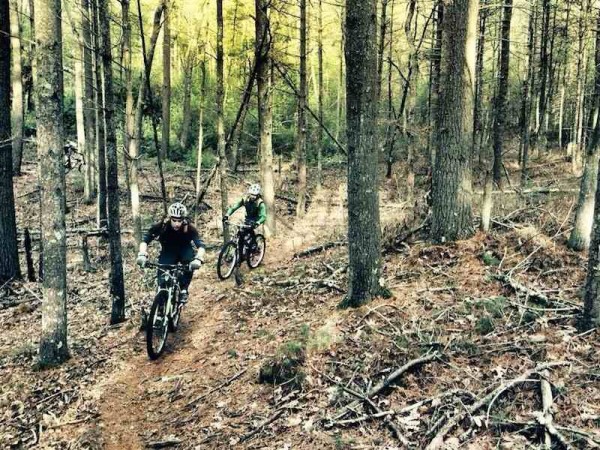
x=17, y=88
x=88, y=105
x=451, y=189
x=220, y=118
x=135, y=137
x=364, y=233
x=166, y=87
x=265, y=109
x=100, y=125
x=584, y=214
x=591, y=296
x=49, y=108
x=301, y=127
x=9, y=257
x=500, y=100
x=117, y=285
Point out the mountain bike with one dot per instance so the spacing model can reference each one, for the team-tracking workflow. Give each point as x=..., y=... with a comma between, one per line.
x=166, y=310
x=241, y=248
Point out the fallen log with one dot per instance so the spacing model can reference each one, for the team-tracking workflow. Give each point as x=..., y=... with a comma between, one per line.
x=319, y=248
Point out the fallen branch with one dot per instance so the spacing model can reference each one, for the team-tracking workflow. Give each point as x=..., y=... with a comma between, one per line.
x=319, y=248
x=389, y=380
x=591, y=440
x=528, y=292
x=438, y=441
x=263, y=424
x=221, y=386
x=166, y=443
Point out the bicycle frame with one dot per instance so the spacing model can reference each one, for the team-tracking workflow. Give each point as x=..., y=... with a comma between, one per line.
x=168, y=282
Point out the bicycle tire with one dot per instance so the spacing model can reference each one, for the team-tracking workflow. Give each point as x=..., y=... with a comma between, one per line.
x=176, y=316
x=157, y=311
x=261, y=243
x=228, y=255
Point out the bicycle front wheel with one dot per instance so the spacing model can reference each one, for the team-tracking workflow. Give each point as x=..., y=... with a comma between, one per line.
x=157, y=326
x=257, y=254
x=227, y=260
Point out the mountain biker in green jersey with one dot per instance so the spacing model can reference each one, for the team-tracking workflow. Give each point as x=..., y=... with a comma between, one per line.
x=256, y=211
x=180, y=243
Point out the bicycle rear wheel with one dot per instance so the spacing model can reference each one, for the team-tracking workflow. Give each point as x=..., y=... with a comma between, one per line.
x=158, y=326
x=256, y=256
x=227, y=260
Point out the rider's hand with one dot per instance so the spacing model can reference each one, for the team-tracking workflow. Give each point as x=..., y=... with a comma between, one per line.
x=195, y=264
x=142, y=258
x=253, y=225
x=225, y=218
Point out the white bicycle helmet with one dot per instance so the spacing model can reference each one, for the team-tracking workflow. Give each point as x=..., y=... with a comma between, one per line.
x=254, y=189
x=177, y=210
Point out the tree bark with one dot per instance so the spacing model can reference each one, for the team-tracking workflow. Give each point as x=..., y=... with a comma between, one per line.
x=265, y=109
x=9, y=257
x=451, y=186
x=17, y=88
x=591, y=296
x=200, y=133
x=502, y=90
x=436, y=68
x=186, y=120
x=49, y=113
x=364, y=233
x=79, y=117
x=527, y=92
x=301, y=127
x=117, y=285
x=128, y=118
x=477, y=122
x=166, y=87
x=220, y=118
x=340, y=88
x=320, y=142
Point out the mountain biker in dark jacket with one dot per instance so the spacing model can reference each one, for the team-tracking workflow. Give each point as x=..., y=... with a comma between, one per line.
x=180, y=243
x=256, y=211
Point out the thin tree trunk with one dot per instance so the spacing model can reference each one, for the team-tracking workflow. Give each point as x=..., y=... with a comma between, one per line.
x=220, y=118
x=436, y=67
x=79, y=117
x=527, y=91
x=265, y=109
x=539, y=140
x=477, y=123
x=134, y=142
x=9, y=257
x=340, y=90
x=88, y=105
x=49, y=108
x=117, y=285
x=100, y=125
x=383, y=22
x=200, y=134
x=17, y=88
x=186, y=119
x=301, y=127
x=128, y=118
x=364, y=233
x=564, y=74
x=321, y=95
x=451, y=187
x=502, y=90
x=166, y=87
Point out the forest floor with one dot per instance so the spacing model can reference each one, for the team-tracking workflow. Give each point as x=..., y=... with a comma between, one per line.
x=473, y=334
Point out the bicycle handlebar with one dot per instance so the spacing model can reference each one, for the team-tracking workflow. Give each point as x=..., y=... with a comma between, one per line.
x=165, y=266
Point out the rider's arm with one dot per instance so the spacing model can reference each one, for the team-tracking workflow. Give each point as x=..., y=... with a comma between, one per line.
x=262, y=213
x=233, y=208
x=151, y=234
x=197, y=241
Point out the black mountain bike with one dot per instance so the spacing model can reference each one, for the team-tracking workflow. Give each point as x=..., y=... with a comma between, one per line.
x=240, y=248
x=166, y=309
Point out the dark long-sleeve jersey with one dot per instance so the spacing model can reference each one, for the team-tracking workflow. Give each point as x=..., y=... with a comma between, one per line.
x=169, y=238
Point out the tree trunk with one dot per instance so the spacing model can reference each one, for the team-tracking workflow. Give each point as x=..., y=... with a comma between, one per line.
x=166, y=87
x=451, y=187
x=526, y=102
x=436, y=68
x=564, y=75
x=301, y=127
x=383, y=22
x=502, y=89
x=135, y=137
x=9, y=257
x=186, y=119
x=200, y=133
x=340, y=88
x=265, y=109
x=591, y=296
x=364, y=232
x=321, y=95
x=88, y=104
x=539, y=140
x=477, y=123
x=117, y=285
x=100, y=125
x=79, y=117
x=584, y=214
x=128, y=119
x=220, y=118
x=17, y=88
x=49, y=108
